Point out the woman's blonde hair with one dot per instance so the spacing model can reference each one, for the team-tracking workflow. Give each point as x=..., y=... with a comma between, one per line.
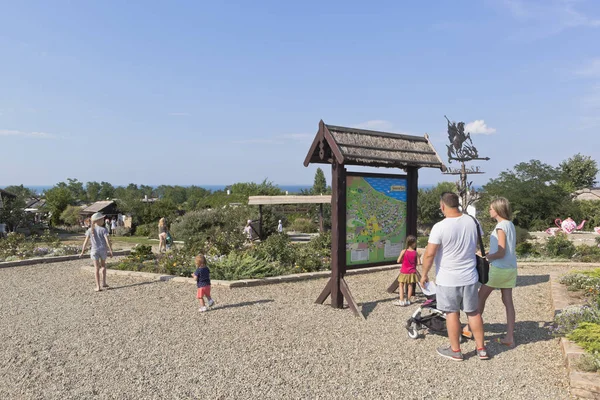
x=502, y=207
x=161, y=222
x=200, y=261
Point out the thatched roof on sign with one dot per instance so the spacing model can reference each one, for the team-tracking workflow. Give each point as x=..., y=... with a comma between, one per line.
x=97, y=207
x=350, y=146
x=268, y=200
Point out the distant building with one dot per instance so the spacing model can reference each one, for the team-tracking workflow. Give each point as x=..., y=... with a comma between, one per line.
x=587, y=194
x=107, y=207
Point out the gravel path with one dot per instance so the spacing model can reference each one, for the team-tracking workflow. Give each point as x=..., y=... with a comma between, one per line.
x=146, y=340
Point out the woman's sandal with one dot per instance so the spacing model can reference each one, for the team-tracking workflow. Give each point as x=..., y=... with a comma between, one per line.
x=97, y=290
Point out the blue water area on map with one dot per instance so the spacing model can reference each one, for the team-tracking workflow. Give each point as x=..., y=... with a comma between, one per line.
x=384, y=185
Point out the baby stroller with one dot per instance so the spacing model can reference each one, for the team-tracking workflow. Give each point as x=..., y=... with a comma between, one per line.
x=169, y=241
x=427, y=316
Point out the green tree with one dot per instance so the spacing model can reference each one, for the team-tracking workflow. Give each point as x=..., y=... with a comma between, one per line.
x=320, y=183
x=265, y=188
x=76, y=189
x=70, y=216
x=532, y=189
x=12, y=212
x=57, y=200
x=107, y=191
x=578, y=172
x=428, y=203
x=93, y=191
x=21, y=192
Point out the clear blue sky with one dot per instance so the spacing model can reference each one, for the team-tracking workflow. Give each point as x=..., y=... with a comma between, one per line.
x=216, y=92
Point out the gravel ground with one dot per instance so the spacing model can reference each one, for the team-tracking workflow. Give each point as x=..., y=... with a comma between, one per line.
x=146, y=340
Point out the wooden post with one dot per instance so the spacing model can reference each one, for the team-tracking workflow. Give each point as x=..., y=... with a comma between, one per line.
x=321, y=222
x=338, y=233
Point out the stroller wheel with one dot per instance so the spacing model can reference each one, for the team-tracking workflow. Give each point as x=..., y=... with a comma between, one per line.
x=412, y=330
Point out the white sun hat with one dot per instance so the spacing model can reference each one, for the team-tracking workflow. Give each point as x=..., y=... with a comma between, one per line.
x=97, y=216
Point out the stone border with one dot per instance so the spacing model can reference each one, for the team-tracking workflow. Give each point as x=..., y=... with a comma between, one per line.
x=244, y=282
x=583, y=384
x=48, y=260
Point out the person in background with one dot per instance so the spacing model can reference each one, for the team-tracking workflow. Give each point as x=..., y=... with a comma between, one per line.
x=280, y=227
x=113, y=225
x=98, y=236
x=162, y=235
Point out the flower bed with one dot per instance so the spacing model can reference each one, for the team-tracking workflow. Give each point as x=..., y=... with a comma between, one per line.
x=16, y=247
x=274, y=257
x=581, y=323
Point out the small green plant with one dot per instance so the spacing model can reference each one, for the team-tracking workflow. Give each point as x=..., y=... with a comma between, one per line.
x=278, y=248
x=598, y=240
x=523, y=249
x=522, y=235
x=238, y=265
x=560, y=246
x=142, y=252
x=587, y=335
x=589, y=363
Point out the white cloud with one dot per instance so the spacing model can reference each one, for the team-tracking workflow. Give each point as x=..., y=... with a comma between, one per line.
x=479, y=127
x=179, y=114
x=38, y=135
x=548, y=17
x=375, y=125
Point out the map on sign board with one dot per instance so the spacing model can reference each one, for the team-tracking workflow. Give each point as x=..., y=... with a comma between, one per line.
x=375, y=218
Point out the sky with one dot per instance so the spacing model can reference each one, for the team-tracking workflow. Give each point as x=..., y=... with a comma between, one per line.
x=217, y=92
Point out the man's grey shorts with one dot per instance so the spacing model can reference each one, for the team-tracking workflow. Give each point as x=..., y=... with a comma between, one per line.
x=454, y=299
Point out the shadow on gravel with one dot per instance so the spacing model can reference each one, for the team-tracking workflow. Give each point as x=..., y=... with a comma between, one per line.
x=244, y=304
x=525, y=332
x=133, y=284
x=368, y=307
x=530, y=280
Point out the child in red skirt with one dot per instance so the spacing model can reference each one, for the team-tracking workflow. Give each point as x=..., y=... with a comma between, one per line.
x=409, y=257
x=202, y=276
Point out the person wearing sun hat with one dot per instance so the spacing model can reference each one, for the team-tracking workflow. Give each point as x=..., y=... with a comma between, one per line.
x=99, y=238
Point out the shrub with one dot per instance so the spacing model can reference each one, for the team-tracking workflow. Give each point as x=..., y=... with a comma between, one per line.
x=315, y=255
x=587, y=253
x=598, y=240
x=589, y=363
x=238, y=265
x=522, y=234
x=278, y=248
x=141, y=252
x=177, y=262
x=215, y=241
x=560, y=246
x=70, y=216
x=147, y=230
x=122, y=231
x=524, y=249
x=587, y=335
x=571, y=317
x=303, y=225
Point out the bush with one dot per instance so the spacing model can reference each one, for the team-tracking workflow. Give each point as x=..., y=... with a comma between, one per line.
x=215, y=241
x=524, y=249
x=422, y=241
x=122, y=231
x=147, y=230
x=587, y=335
x=278, y=248
x=177, y=262
x=315, y=255
x=560, y=246
x=598, y=240
x=589, y=363
x=238, y=265
x=571, y=317
x=522, y=234
x=587, y=253
x=70, y=216
x=141, y=252
x=303, y=225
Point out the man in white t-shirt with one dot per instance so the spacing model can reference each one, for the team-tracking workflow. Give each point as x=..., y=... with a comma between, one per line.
x=453, y=244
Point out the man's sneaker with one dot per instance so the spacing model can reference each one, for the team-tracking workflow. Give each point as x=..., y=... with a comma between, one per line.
x=483, y=354
x=211, y=303
x=398, y=302
x=202, y=309
x=449, y=353
x=407, y=303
